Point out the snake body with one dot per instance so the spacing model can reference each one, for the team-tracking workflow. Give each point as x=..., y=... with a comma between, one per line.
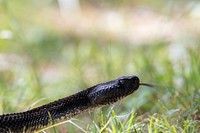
x=65, y=108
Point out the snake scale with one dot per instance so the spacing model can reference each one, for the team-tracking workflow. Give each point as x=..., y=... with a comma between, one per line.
x=65, y=108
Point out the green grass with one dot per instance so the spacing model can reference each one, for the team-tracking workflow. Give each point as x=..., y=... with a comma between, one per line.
x=41, y=65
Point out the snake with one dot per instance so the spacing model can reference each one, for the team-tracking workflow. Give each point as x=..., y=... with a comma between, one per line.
x=62, y=109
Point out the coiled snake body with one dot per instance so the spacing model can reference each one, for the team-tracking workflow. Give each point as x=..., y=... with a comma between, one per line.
x=98, y=95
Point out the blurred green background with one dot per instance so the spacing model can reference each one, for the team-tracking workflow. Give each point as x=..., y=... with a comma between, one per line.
x=52, y=49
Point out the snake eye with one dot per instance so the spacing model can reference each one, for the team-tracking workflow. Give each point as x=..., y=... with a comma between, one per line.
x=122, y=81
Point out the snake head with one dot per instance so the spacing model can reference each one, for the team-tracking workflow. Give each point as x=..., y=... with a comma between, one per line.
x=112, y=91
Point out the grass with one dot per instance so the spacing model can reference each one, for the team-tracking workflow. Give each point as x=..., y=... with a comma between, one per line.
x=40, y=64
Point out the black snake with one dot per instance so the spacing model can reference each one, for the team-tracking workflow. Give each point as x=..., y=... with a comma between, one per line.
x=65, y=108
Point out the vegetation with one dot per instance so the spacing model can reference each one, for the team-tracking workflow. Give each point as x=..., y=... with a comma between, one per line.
x=41, y=61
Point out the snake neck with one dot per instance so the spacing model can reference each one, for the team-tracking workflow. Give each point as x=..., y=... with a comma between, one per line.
x=45, y=115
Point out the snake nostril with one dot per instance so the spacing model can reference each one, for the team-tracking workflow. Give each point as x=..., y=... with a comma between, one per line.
x=136, y=80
